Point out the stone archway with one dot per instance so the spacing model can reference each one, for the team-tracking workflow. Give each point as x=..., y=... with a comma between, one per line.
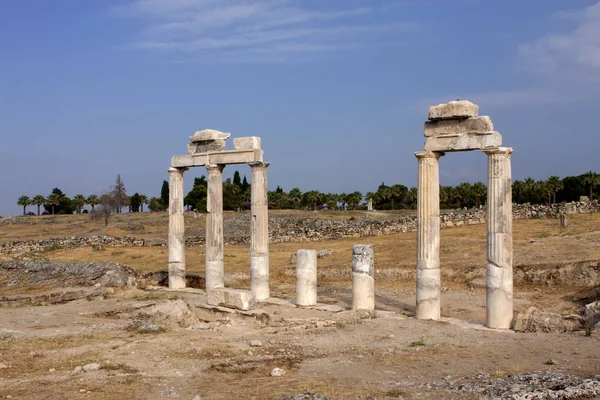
x=456, y=127
x=207, y=149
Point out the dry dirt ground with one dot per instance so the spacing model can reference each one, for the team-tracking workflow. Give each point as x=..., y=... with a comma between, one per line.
x=160, y=344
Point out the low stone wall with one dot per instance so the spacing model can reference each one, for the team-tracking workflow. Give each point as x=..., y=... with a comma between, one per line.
x=286, y=229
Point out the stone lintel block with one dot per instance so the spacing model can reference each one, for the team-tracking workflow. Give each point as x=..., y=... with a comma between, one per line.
x=232, y=298
x=246, y=143
x=463, y=142
x=209, y=134
x=217, y=158
x=453, y=110
x=206, y=146
x=479, y=125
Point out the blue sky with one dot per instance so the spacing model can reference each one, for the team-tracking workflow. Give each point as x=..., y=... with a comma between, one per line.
x=338, y=90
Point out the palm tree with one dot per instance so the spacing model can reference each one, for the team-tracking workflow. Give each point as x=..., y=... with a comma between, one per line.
x=464, y=193
x=479, y=192
x=39, y=201
x=79, y=201
x=544, y=189
x=24, y=202
x=93, y=201
x=592, y=179
x=518, y=190
x=413, y=194
x=314, y=197
x=53, y=200
x=143, y=200
x=295, y=197
x=555, y=184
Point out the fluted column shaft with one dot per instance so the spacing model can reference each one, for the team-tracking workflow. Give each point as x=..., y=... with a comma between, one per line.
x=214, y=228
x=499, y=296
x=428, y=236
x=176, y=229
x=259, y=231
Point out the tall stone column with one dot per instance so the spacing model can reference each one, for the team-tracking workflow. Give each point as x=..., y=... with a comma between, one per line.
x=214, y=228
x=259, y=231
x=499, y=297
x=428, y=236
x=176, y=229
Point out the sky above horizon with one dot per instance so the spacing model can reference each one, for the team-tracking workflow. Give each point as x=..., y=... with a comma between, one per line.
x=337, y=90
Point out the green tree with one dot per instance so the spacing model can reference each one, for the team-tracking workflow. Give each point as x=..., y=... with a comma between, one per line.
x=591, y=179
x=143, y=200
x=412, y=196
x=464, y=194
x=196, y=198
x=24, y=202
x=237, y=181
x=245, y=184
x=313, y=197
x=295, y=197
x=120, y=198
x=155, y=204
x=53, y=201
x=555, y=184
x=39, y=201
x=164, y=194
x=93, y=201
x=479, y=192
x=135, y=202
x=79, y=201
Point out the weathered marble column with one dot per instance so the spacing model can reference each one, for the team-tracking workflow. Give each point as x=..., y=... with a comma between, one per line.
x=306, y=278
x=363, y=277
x=428, y=236
x=176, y=229
x=214, y=228
x=259, y=232
x=499, y=299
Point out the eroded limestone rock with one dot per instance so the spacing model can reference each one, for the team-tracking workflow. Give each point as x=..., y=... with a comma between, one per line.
x=463, y=142
x=232, y=298
x=452, y=110
x=458, y=126
x=246, y=143
x=209, y=134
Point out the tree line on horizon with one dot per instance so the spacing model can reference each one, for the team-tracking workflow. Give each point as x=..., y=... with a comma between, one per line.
x=237, y=195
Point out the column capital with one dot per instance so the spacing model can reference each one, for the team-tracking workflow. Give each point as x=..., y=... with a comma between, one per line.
x=498, y=150
x=429, y=154
x=258, y=164
x=213, y=167
x=173, y=170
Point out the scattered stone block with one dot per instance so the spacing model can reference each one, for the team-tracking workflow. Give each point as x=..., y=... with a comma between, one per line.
x=453, y=110
x=209, y=134
x=463, y=142
x=206, y=146
x=457, y=126
x=232, y=298
x=278, y=372
x=246, y=143
x=255, y=343
x=91, y=367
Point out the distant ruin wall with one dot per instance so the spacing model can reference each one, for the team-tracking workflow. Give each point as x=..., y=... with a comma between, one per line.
x=285, y=229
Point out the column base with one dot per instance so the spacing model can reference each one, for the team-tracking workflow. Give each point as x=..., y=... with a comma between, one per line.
x=363, y=291
x=428, y=294
x=215, y=275
x=499, y=309
x=177, y=275
x=259, y=277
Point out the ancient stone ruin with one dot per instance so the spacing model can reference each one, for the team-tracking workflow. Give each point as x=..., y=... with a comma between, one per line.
x=454, y=127
x=207, y=149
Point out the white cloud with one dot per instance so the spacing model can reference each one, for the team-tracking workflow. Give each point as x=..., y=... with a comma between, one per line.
x=576, y=51
x=237, y=30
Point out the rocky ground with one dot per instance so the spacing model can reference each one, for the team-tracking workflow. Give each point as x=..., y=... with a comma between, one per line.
x=103, y=330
